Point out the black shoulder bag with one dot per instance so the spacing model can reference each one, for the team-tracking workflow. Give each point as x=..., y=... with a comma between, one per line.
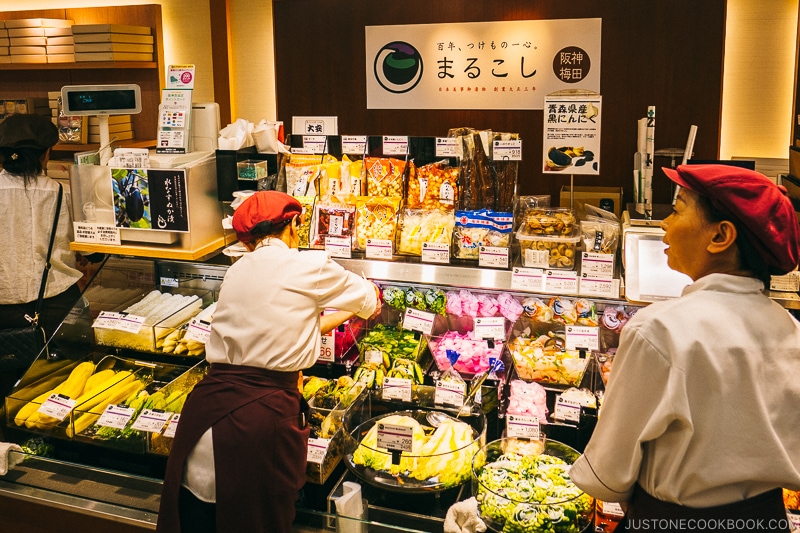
x=19, y=347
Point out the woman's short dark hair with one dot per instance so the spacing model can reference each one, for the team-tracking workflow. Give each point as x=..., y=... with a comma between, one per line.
x=268, y=229
x=24, y=162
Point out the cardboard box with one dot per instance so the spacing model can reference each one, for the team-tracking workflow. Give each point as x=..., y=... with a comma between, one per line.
x=591, y=195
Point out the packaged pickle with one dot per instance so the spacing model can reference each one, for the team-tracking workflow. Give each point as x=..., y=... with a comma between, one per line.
x=384, y=176
x=376, y=218
x=432, y=186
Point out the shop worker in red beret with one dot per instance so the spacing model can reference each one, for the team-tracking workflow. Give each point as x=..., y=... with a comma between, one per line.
x=239, y=455
x=701, y=417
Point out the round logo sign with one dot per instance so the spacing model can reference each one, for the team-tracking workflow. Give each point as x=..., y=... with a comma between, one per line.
x=398, y=67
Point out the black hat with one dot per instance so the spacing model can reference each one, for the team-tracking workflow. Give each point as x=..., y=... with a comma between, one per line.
x=28, y=131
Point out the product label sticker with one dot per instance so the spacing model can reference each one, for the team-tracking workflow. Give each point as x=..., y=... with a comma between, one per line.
x=339, y=246
x=449, y=393
x=395, y=145
x=317, y=450
x=507, y=150
x=567, y=410
x=379, y=249
x=172, y=426
x=537, y=258
x=523, y=426
x=57, y=405
x=327, y=348
x=448, y=147
x=170, y=282
x=492, y=327
x=397, y=389
x=435, y=252
x=593, y=263
x=116, y=416
x=565, y=282
x=198, y=330
x=318, y=144
x=395, y=437
x=418, y=320
x=130, y=323
x=493, y=257
x=527, y=279
x=151, y=420
x=354, y=144
x=106, y=320
x=591, y=285
x=611, y=508
x=583, y=337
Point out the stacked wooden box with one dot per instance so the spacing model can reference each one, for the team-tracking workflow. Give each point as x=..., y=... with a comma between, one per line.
x=112, y=42
x=39, y=40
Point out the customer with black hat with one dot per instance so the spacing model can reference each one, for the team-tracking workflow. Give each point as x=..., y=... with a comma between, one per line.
x=239, y=455
x=699, y=425
x=29, y=198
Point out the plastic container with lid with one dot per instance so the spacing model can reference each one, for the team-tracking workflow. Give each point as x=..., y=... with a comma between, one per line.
x=549, y=251
x=548, y=221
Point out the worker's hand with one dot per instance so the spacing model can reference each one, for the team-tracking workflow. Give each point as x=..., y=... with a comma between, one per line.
x=378, y=305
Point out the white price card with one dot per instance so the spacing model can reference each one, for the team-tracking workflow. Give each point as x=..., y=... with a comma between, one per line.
x=507, y=150
x=397, y=389
x=436, y=252
x=527, y=279
x=57, y=405
x=611, y=508
x=170, y=282
x=151, y=420
x=523, y=426
x=395, y=145
x=567, y=410
x=593, y=263
x=198, y=330
x=537, y=258
x=448, y=147
x=116, y=416
x=449, y=393
x=327, y=348
x=130, y=323
x=592, y=285
x=317, y=449
x=339, y=246
x=172, y=426
x=417, y=320
x=373, y=356
x=302, y=150
x=561, y=281
x=583, y=337
x=395, y=437
x=354, y=144
x=489, y=327
x=316, y=143
x=106, y=320
x=379, y=249
x=493, y=257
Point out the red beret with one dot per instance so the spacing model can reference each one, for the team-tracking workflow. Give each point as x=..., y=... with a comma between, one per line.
x=762, y=209
x=273, y=206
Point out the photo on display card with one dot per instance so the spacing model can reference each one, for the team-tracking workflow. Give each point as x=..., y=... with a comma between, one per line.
x=152, y=199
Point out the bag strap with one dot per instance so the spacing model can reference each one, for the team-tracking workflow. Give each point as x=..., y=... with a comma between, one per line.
x=35, y=320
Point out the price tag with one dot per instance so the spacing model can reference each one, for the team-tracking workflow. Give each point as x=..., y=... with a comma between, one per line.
x=198, y=331
x=492, y=327
x=354, y=144
x=397, y=389
x=327, y=348
x=395, y=145
x=170, y=282
x=592, y=285
x=794, y=521
x=593, y=263
x=561, y=281
x=436, y=252
x=567, y=410
x=507, y=150
x=172, y=427
x=130, y=323
x=611, y=508
x=303, y=150
x=151, y=420
x=316, y=143
x=448, y=147
x=449, y=393
x=583, y=337
x=317, y=450
x=417, y=320
x=395, y=437
x=116, y=416
x=57, y=405
x=106, y=320
x=493, y=256
x=527, y=279
x=339, y=246
x=379, y=249
x=523, y=426
x=373, y=356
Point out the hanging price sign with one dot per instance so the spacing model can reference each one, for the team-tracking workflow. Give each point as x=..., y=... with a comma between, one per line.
x=395, y=437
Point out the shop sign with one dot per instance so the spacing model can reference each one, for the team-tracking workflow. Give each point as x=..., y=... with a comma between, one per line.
x=480, y=65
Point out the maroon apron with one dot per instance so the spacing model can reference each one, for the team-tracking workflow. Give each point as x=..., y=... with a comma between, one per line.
x=260, y=439
x=764, y=512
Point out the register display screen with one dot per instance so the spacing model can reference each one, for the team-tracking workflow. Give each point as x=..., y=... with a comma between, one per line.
x=101, y=99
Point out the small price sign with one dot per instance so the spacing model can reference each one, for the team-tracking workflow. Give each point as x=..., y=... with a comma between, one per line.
x=449, y=393
x=561, y=281
x=116, y=416
x=567, y=410
x=527, y=279
x=57, y=405
x=417, y=320
x=582, y=337
x=523, y=426
x=489, y=327
x=106, y=320
x=395, y=145
x=507, y=150
x=327, y=348
x=354, y=144
x=435, y=252
x=130, y=323
x=493, y=257
x=397, y=389
x=316, y=143
x=395, y=437
x=198, y=331
x=172, y=426
x=317, y=449
x=379, y=249
x=339, y=246
x=448, y=147
x=151, y=420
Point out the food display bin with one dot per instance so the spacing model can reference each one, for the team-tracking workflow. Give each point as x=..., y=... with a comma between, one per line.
x=557, y=251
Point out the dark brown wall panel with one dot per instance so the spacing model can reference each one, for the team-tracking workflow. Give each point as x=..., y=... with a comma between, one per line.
x=662, y=53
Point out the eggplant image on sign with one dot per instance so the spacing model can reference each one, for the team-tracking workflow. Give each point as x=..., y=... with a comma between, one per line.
x=154, y=199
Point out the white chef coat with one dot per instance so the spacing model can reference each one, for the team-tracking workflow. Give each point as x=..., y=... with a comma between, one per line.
x=703, y=402
x=26, y=219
